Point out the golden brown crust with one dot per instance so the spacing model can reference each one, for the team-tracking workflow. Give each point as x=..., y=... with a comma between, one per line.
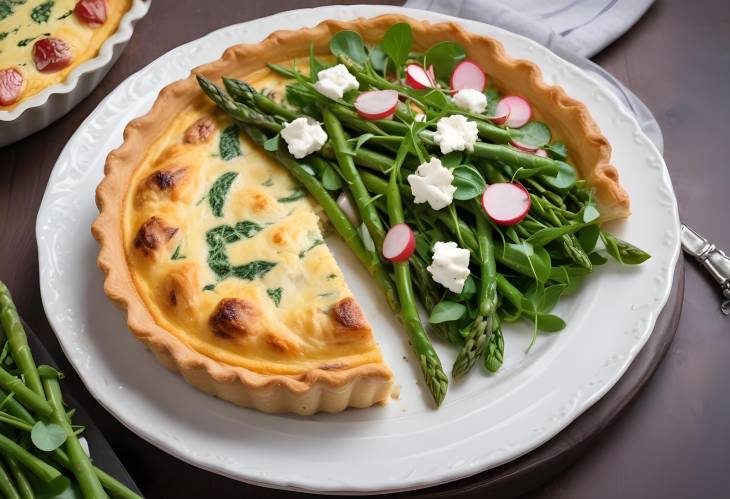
x=331, y=387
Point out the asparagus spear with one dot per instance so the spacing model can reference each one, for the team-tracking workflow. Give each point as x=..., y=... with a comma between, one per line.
x=23, y=394
x=362, y=197
x=35, y=465
x=428, y=359
x=18, y=341
x=476, y=343
x=80, y=463
x=25, y=491
x=7, y=488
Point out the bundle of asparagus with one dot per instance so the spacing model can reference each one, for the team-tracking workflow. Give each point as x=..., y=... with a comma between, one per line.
x=518, y=270
x=41, y=453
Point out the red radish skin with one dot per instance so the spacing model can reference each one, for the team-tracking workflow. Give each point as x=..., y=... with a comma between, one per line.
x=506, y=203
x=520, y=111
x=399, y=243
x=91, y=12
x=542, y=153
x=417, y=77
x=503, y=111
x=523, y=147
x=376, y=105
x=51, y=55
x=11, y=86
x=467, y=74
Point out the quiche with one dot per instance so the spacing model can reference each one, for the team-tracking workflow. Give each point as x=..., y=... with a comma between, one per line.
x=42, y=41
x=218, y=256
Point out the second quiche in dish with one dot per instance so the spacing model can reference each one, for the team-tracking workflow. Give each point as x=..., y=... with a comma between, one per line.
x=217, y=254
x=42, y=41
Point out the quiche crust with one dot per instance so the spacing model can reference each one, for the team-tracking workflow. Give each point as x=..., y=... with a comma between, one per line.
x=322, y=388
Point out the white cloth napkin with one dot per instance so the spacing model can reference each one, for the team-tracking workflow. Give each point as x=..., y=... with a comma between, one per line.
x=573, y=29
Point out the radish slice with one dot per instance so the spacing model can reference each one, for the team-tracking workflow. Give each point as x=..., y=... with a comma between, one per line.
x=399, y=243
x=431, y=75
x=343, y=201
x=522, y=146
x=503, y=111
x=376, y=105
x=519, y=111
x=468, y=75
x=542, y=153
x=417, y=77
x=506, y=203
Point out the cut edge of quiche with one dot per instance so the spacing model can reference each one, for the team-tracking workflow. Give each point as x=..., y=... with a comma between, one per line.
x=316, y=388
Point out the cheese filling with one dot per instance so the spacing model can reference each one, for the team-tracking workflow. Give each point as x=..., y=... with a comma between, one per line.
x=227, y=251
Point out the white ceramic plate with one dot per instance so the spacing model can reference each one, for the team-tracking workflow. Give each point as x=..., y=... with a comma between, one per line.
x=53, y=102
x=485, y=420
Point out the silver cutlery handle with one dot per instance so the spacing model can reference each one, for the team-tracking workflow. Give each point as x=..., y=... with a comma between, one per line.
x=712, y=259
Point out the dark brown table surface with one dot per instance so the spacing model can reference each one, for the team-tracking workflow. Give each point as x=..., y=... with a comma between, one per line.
x=673, y=441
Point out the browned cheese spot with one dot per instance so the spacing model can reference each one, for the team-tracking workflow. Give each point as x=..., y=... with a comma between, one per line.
x=199, y=132
x=234, y=318
x=347, y=314
x=153, y=234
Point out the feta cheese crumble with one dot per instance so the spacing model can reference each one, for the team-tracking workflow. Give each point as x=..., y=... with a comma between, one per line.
x=432, y=184
x=450, y=266
x=455, y=133
x=335, y=81
x=471, y=100
x=304, y=136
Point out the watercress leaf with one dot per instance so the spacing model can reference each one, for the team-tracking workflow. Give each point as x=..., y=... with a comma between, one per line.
x=534, y=133
x=434, y=98
x=590, y=213
x=549, y=323
x=444, y=56
x=622, y=251
x=563, y=180
x=470, y=288
x=454, y=158
x=511, y=234
x=557, y=151
x=446, y=311
x=349, y=44
x=588, y=236
x=272, y=144
x=47, y=437
x=378, y=59
x=597, y=258
x=549, y=234
x=468, y=181
x=397, y=43
x=550, y=296
x=525, y=259
x=331, y=179
x=492, y=100
x=423, y=246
